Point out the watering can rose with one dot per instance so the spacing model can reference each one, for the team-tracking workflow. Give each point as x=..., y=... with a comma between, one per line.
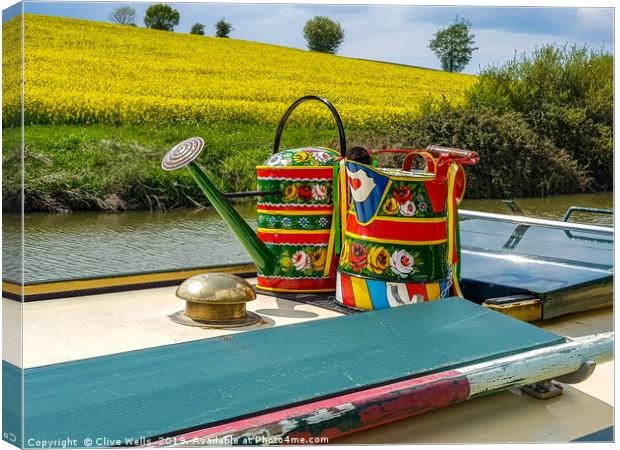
x=402, y=263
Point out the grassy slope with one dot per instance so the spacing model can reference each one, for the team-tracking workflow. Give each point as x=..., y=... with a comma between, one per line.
x=107, y=167
x=73, y=65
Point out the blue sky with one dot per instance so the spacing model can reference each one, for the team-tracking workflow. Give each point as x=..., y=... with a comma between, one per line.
x=397, y=34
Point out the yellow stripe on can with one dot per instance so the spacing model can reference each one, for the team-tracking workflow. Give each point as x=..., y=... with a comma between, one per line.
x=432, y=291
x=361, y=294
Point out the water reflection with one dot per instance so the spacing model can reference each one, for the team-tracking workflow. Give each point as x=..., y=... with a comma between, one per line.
x=84, y=245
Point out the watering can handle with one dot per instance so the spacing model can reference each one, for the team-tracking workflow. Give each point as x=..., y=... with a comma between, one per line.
x=464, y=157
x=343, y=141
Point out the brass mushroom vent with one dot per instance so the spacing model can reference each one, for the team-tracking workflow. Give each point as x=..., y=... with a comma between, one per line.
x=215, y=300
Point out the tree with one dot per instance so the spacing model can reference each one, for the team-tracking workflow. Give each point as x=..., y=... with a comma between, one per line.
x=323, y=34
x=223, y=29
x=454, y=45
x=161, y=17
x=124, y=15
x=198, y=29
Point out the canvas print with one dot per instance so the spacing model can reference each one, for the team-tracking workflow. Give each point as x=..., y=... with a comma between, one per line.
x=295, y=224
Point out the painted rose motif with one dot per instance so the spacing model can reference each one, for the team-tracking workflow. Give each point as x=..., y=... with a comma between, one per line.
x=301, y=157
x=390, y=207
x=290, y=193
x=305, y=192
x=301, y=261
x=407, y=209
x=378, y=260
x=358, y=257
x=319, y=192
x=319, y=256
x=402, y=194
x=423, y=206
x=321, y=157
x=402, y=263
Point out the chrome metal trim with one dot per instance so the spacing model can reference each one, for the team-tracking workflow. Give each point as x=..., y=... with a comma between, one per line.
x=533, y=221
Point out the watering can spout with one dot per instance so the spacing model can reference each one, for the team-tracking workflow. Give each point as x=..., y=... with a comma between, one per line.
x=184, y=155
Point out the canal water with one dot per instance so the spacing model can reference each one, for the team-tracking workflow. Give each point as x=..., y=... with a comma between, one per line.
x=90, y=244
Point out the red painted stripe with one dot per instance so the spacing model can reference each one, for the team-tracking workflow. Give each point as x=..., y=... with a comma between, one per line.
x=347, y=290
x=296, y=284
x=416, y=288
x=327, y=209
x=385, y=229
x=324, y=172
x=293, y=239
x=352, y=412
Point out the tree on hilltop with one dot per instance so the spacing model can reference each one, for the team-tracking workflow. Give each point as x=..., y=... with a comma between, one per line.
x=161, y=17
x=198, y=29
x=323, y=34
x=454, y=45
x=123, y=15
x=223, y=29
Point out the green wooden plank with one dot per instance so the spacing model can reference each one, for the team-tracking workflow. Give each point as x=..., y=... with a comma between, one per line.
x=155, y=391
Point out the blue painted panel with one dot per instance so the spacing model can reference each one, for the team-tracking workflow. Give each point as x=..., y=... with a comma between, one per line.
x=533, y=259
x=11, y=404
x=161, y=390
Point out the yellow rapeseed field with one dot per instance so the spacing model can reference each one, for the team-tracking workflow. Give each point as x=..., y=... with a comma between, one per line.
x=86, y=72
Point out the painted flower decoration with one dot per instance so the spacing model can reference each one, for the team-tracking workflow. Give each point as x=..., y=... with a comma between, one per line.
x=390, y=207
x=402, y=194
x=407, y=208
x=290, y=193
x=305, y=192
x=285, y=260
x=358, y=257
x=279, y=159
x=319, y=192
x=286, y=222
x=301, y=261
x=402, y=263
x=304, y=222
x=321, y=157
x=319, y=256
x=423, y=206
x=273, y=220
x=323, y=221
x=300, y=157
x=378, y=260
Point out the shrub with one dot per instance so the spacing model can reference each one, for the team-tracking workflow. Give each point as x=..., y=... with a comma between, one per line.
x=323, y=34
x=198, y=29
x=223, y=29
x=514, y=160
x=161, y=17
x=565, y=94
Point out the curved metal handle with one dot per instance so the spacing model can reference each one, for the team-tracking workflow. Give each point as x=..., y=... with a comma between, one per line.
x=343, y=141
x=461, y=156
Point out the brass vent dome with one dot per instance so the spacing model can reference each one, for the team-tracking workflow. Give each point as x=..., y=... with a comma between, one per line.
x=215, y=300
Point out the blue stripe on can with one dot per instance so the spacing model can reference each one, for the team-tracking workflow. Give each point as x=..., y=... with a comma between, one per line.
x=378, y=294
x=442, y=286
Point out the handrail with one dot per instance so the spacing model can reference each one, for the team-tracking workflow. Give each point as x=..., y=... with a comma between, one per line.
x=596, y=229
x=572, y=209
